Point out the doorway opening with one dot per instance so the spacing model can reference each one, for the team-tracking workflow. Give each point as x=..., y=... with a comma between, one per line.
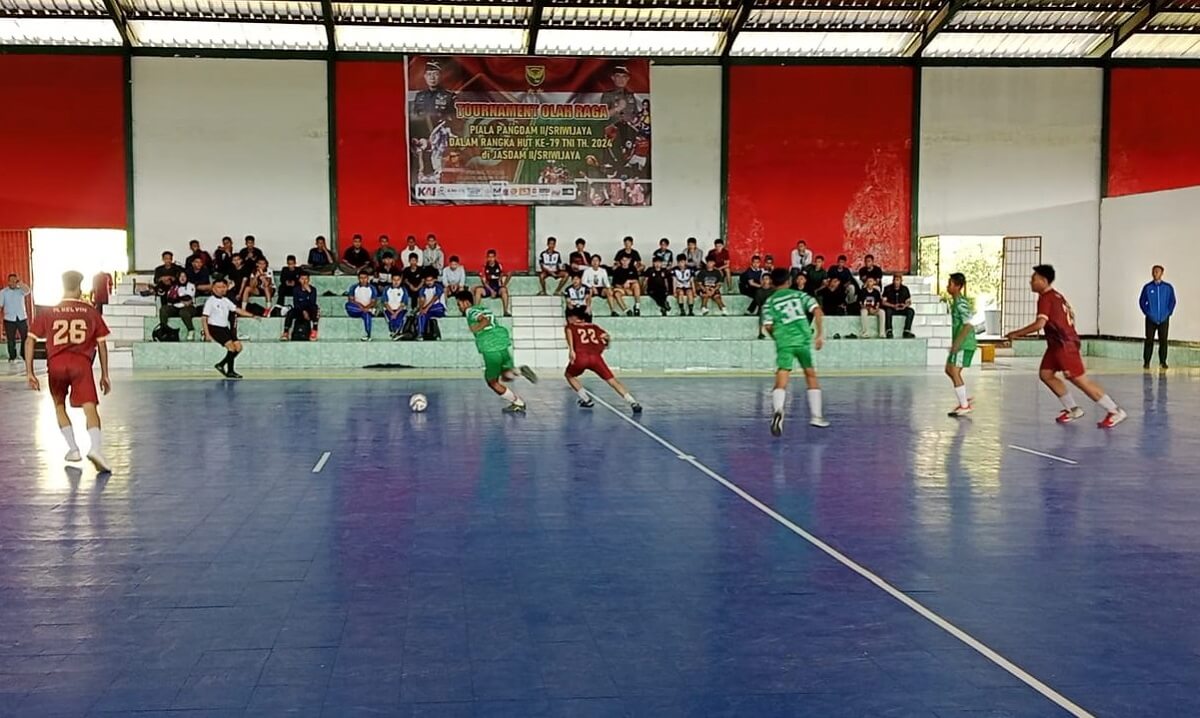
x=997, y=271
x=88, y=251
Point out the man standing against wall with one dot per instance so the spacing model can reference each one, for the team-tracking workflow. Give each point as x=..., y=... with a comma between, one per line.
x=16, y=316
x=1158, y=304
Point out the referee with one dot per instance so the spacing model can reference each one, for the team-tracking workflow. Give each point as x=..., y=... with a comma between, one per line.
x=219, y=326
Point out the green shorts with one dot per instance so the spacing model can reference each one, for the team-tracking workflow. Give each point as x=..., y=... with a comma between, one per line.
x=961, y=358
x=786, y=358
x=496, y=363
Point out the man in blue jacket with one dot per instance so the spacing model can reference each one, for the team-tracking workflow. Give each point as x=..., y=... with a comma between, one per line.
x=1158, y=304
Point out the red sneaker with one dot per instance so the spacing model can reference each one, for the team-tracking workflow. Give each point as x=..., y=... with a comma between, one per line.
x=1066, y=416
x=312, y=336
x=961, y=411
x=1112, y=419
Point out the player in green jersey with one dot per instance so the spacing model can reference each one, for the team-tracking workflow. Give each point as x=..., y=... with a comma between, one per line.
x=962, y=348
x=785, y=318
x=495, y=346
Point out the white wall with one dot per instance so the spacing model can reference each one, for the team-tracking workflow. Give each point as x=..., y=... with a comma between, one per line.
x=229, y=147
x=686, y=163
x=1137, y=232
x=1017, y=152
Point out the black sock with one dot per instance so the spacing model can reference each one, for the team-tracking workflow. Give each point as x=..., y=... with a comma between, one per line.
x=229, y=357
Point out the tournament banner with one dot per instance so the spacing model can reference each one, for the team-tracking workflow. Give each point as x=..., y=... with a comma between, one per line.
x=528, y=131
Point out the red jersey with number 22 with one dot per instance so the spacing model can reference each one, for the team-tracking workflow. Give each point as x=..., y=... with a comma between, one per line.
x=73, y=327
x=587, y=340
x=1060, y=319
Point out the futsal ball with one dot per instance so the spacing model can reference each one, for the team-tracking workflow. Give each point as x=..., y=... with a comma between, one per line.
x=418, y=403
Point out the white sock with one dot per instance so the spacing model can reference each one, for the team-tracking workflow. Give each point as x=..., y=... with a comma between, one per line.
x=961, y=393
x=778, y=399
x=629, y=399
x=1068, y=401
x=1107, y=403
x=69, y=434
x=96, y=436
x=814, y=403
x=510, y=396
x=582, y=393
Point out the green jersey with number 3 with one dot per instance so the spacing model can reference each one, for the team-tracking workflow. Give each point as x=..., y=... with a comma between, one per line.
x=786, y=312
x=493, y=337
x=962, y=310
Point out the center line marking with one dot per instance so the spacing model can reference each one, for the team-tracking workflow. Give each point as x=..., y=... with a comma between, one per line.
x=1014, y=447
x=321, y=463
x=1012, y=668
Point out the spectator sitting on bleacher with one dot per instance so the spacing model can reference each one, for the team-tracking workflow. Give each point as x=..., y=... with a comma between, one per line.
x=261, y=282
x=251, y=253
x=304, y=306
x=454, y=277
x=815, y=275
x=223, y=258
x=320, y=259
x=719, y=255
x=385, y=250
x=166, y=273
x=750, y=282
x=362, y=301
x=493, y=282
x=597, y=280
x=432, y=256
x=289, y=279
x=198, y=253
x=694, y=255
x=356, y=259
x=431, y=304
x=768, y=265
x=396, y=302
x=658, y=282
x=577, y=294
x=411, y=247
x=843, y=273
x=237, y=277
x=871, y=270
x=802, y=256
x=180, y=301
x=710, y=279
x=664, y=252
x=414, y=275
x=627, y=250
x=764, y=293
x=832, y=297
x=550, y=264
x=898, y=300
x=198, y=274
x=627, y=280
x=870, y=304
x=384, y=272
x=580, y=259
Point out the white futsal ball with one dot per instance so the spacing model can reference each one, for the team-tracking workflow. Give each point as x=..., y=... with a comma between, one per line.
x=418, y=403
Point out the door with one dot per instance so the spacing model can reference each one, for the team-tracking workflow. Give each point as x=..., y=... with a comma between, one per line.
x=1018, y=305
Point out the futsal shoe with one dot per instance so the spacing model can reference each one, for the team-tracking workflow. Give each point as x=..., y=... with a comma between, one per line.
x=586, y=403
x=960, y=411
x=636, y=407
x=515, y=408
x=819, y=421
x=100, y=462
x=72, y=456
x=1066, y=416
x=777, y=425
x=1113, y=418
x=221, y=368
x=529, y=374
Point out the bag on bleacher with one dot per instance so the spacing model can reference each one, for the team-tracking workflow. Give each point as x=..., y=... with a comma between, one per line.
x=432, y=331
x=301, y=330
x=165, y=333
x=409, y=331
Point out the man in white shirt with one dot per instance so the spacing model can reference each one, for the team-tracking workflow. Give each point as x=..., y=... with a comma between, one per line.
x=597, y=280
x=362, y=298
x=551, y=264
x=802, y=256
x=16, y=316
x=454, y=277
x=218, y=324
x=180, y=301
x=433, y=255
x=395, y=306
x=431, y=305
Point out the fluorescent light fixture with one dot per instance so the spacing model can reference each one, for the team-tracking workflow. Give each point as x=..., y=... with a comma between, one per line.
x=1004, y=44
x=66, y=7
x=416, y=38
x=1160, y=46
x=58, y=31
x=626, y=16
x=232, y=9
x=228, y=35
x=629, y=42
x=413, y=13
x=89, y=251
x=821, y=44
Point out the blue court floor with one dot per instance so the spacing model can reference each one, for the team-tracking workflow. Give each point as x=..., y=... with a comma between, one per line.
x=567, y=563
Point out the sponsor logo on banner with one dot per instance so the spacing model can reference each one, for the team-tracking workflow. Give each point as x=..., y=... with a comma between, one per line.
x=535, y=75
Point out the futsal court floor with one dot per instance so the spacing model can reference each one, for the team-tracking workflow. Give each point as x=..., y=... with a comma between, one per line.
x=307, y=546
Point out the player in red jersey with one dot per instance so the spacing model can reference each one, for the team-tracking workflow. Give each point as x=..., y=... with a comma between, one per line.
x=587, y=343
x=1055, y=317
x=74, y=332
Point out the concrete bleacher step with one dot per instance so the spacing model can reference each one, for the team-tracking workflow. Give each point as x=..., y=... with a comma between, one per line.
x=453, y=328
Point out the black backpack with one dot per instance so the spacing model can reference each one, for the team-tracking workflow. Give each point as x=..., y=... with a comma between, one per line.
x=432, y=332
x=165, y=333
x=301, y=330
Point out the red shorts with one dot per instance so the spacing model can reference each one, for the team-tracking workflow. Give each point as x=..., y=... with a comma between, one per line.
x=1065, y=359
x=71, y=373
x=594, y=364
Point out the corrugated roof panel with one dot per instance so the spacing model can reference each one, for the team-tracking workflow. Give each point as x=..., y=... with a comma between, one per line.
x=1002, y=44
x=1175, y=19
x=1160, y=46
x=1020, y=19
x=64, y=7
x=419, y=38
x=629, y=42
x=228, y=35
x=58, y=31
x=798, y=17
x=567, y=16
x=821, y=44
x=503, y=14
x=259, y=9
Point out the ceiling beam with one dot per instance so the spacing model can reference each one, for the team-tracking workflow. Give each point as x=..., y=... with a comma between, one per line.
x=535, y=24
x=117, y=14
x=941, y=18
x=327, y=17
x=1127, y=29
x=735, y=26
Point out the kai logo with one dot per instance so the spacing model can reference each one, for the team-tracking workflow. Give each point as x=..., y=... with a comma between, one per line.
x=535, y=75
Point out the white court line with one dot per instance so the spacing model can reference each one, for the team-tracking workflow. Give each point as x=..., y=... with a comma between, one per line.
x=1018, y=672
x=321, y=463
x=1014, y=447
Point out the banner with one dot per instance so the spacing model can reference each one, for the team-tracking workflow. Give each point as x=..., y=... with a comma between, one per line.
x=528, y=130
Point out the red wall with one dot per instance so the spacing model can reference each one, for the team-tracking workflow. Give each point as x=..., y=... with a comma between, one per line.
x=372, y=172
x=62, y=141
x=821, y=154
x=1152, y=139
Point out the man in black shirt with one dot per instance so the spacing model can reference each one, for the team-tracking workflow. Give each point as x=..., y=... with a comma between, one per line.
x=842, y=273
x=223, y=257
x=709, y=280
x=250, y=253
x=625, y=279
x=870, y=302
x=550, y=264
x=635, y=259
x=658, y=283
x=320, y=259
x=239, y=274
x=304, y=306
x=898, y=300
x=750, y=282
x=832, y=298
x=198, y=274
x=815, y=275
x=205, y=257
x=664, y=252
x=289, y=279
x=580, y=259
x=493, y=282
x=356, y=258
x=168, y=269
x=414, y=277
x=870, y=270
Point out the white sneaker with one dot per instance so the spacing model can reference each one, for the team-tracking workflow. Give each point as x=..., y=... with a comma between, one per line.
x=819, y=421
x=100, y=462
x=704, y=312
x=724, y=313
x=1113, y=418
x=191, y=336
x=72, y=456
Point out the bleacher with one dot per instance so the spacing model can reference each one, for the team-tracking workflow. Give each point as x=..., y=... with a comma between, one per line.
x=649, y=342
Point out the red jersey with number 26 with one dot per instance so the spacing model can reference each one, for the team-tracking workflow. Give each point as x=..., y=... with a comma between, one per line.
x=1060, y=319
x=73, y=327
x=587, y=340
